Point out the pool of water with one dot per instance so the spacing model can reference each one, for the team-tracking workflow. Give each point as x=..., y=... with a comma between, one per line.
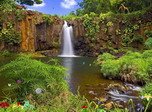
x=84, y=76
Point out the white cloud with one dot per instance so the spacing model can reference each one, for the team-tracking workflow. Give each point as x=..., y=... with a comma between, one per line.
x=39, y=5
x=68, y=4
x=30, y=9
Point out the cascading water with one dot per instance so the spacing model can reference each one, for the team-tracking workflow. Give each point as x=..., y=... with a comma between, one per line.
x=67, y=50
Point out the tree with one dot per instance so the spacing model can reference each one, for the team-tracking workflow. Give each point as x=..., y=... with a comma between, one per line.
x=96, y=6
x=29, y=2
x=26, y=2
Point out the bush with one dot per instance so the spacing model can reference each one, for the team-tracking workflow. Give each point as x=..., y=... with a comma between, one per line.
x=133, y=66
x=104, y=57
x=111, y=68
x=26, y=75
x=141, y=69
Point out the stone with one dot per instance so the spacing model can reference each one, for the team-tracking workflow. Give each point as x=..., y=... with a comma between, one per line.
x=109, y=105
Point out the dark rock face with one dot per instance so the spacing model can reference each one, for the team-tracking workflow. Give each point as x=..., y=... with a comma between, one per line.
x=36, y=33
x=109, y=36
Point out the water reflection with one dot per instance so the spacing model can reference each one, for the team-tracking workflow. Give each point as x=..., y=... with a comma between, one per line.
x=68, y=62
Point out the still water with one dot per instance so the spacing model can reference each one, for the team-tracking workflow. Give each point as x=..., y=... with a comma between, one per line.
x=84, y=76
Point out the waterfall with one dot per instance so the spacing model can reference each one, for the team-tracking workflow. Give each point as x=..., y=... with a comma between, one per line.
x=67, y=50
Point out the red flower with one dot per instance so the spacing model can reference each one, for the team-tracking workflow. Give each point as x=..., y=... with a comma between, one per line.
x=84, y=106
x=18, y=103
x=4, y=105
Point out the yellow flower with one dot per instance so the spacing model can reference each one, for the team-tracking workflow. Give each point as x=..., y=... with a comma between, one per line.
x=147, y=96
x=97, y=106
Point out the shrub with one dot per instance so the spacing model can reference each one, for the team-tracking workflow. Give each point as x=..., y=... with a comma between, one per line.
x=133, y=66
x=130, y=55
x=148, y=43
x=111, y=68
x=141, y=69
x=104, y=57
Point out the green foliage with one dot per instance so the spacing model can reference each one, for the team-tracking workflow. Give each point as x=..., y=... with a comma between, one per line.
x=147, y=96
x=91, y=24
x=70, y=16
x=104, y=16
x=138, y=38
x=48, y=19
x=135, y=64
x=109, y=24
x=10, y=36
x=148, y=33
x=148, y=43
x=29, y=2
x=19, y=14
x=147, y=89
x=116, y=6
x=147, y=54
x=111, y=68
x=104, y=57
x=32, y=74
x=129, y=36
x=96, y=6
x=5, y=53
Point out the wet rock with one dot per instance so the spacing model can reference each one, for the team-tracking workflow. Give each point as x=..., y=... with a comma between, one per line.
x=109, y=105
x=117, y=87
x=92, y=92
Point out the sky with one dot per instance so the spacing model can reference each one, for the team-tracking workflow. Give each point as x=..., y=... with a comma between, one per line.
x=59, y=7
